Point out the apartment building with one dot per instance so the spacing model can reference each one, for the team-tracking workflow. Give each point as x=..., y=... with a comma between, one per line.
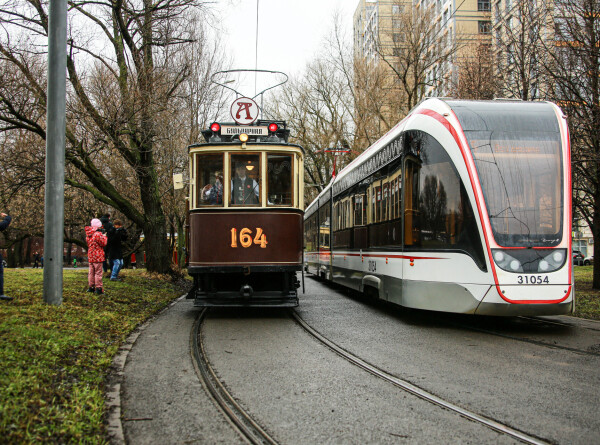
x=380, y=31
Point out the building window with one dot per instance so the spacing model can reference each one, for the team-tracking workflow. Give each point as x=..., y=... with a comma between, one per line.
x=484, y=5
x=485, y=27
x=397, y=9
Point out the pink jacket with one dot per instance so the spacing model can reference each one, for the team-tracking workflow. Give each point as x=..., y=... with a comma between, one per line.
x=96, y=242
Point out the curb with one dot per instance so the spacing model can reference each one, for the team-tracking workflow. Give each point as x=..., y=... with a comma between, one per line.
x=115, y=378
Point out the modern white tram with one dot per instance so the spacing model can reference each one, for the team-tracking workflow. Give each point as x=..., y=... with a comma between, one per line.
x=463, y=206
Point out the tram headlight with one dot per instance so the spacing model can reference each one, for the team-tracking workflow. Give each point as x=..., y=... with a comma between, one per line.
x=554, y=261
x=506, y=261
x=529, y=260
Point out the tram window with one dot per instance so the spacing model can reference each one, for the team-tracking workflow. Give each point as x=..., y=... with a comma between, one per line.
x=310, y=233
x=358, y=210
x=325, y=226
x=438, y=213
x=245, y=188
x=385, y=208
x=209, y=179
x=377, y=195
x=279, y=183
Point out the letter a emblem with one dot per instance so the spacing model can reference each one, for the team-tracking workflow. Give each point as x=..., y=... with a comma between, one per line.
x=244, y=110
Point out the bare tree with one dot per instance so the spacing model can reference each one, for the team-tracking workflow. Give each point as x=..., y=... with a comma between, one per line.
x=317, y=106
x=476, y=74
x=574, y=70
x=417, y=54
x=520, y=39
x=125, y=69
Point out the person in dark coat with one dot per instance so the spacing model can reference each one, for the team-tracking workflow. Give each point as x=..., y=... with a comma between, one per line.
x=244, y=189
x=106, y=227
x=116, y=235
x=3, y=225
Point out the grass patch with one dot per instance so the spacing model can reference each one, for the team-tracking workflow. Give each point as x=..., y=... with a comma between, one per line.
x=55, y=359
x=587, y=300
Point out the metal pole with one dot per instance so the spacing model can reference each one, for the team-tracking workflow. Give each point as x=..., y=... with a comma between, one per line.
x=55, y=153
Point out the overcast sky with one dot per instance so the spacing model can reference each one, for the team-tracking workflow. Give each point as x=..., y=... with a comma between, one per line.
x=290, y=32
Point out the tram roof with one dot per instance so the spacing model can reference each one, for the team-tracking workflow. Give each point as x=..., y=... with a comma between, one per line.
x=513, y=115
x=261, y=132
x=504, y=115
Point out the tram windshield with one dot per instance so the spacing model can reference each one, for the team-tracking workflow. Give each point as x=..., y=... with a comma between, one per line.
x=279, y=184
x=517, y=153
x=245, y=188
x=210, y=180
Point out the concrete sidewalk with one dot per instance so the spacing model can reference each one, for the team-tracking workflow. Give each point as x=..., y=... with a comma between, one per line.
x=155, y=396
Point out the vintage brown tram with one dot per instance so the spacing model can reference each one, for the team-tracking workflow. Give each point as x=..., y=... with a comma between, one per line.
x=246, y=215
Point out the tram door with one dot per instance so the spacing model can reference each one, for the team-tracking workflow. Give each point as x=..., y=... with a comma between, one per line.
x=411, y=226
x=325, y=239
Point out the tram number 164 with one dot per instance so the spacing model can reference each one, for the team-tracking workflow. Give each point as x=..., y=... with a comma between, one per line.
x=245, y=238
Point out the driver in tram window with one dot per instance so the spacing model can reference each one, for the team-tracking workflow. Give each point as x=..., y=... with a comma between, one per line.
x=244, y=189
x=213, y=194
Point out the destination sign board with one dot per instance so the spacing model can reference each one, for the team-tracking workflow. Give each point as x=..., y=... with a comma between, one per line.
x=231, y=130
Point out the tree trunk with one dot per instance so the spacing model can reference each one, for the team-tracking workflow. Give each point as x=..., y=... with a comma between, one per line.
x=180, y=243
x=28, y=252
x=155, y=228
x=596, y=234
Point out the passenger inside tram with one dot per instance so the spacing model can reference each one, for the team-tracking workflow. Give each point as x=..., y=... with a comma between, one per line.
x=213, y=193
x=244, y=189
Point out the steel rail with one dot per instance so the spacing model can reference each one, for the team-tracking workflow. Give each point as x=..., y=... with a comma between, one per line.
x=246, y=426
x=541, y=319
x=415, y=390
x=528, y=340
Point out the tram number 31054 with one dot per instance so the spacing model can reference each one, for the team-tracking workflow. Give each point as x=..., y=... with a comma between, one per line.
x=532, y=279
x=246, y=240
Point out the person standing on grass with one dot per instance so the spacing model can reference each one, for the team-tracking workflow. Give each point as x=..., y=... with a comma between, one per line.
x=116, y=235
x=96, y=241
x=107, y=226
x=3, y=225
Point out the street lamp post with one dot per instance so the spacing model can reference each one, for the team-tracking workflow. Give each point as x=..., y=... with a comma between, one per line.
x=55, y=153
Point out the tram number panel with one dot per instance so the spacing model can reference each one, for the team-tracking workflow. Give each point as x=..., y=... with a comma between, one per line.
x=532, y=279
x=372, y=266
x=246, y=239
x=262, y=238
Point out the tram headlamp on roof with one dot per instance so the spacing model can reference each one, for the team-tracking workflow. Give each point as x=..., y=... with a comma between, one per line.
x=215, y=127
x=529, y=260
x=273, y=127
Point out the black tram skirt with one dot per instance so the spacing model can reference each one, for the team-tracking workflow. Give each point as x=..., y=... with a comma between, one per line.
x=245, y=286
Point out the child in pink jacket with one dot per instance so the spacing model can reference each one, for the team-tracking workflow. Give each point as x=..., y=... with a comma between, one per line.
x=96, y=241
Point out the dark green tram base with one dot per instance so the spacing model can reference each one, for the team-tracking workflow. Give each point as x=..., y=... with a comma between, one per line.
x=244, y=286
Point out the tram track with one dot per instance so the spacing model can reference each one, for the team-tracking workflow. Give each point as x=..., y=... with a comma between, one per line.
x=558, y=323
x=529, y=340
x=248, y=428
x=415, y=390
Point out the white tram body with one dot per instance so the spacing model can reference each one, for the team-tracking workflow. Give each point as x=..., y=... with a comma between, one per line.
x=463, y=206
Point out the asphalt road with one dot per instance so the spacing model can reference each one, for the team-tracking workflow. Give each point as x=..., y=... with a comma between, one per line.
x=301, y=392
